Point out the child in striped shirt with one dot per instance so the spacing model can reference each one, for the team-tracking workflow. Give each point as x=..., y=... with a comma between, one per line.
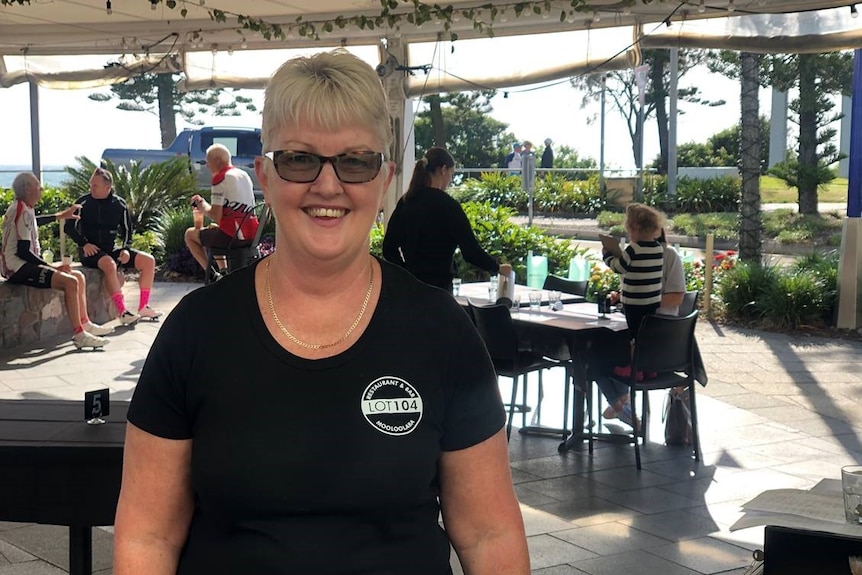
x=640, y=265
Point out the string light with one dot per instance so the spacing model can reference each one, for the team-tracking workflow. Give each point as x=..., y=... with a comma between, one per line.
x=854, y=13
x=730, y=6
x=153, y=4
x=702, y=6
x=108, y=7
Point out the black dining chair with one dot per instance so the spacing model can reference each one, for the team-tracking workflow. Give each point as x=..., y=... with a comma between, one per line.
x=510, y=358
x=689, y=303
x=665, y=346
x=567, y=286
x=239, y=256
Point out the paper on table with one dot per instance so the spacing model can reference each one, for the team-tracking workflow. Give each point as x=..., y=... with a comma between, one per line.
x=611, y=244
x=820, y=510
x=824, y=507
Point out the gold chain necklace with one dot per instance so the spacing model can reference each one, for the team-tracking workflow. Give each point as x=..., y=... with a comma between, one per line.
x=301, y=343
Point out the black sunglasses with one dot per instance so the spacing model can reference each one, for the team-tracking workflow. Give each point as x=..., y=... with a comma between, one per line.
x=305, y=167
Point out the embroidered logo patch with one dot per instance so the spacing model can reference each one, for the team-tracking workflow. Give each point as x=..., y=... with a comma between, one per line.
x=392, y=406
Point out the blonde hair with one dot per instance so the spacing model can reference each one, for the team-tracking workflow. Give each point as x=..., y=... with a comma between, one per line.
x=330, y=90
x=644, y=219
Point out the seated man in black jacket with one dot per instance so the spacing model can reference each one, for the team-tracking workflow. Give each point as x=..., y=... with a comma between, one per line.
x=103, y=217
x=21, y=263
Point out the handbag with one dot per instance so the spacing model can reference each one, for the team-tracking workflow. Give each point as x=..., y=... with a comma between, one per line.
x=677, y=417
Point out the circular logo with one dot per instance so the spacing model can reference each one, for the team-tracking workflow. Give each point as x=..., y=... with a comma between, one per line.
x=392, y=406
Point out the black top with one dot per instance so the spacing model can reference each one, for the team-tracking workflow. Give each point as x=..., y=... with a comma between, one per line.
x=101, y=222
x=427, y=226
x=547, y=158
x=318, y=466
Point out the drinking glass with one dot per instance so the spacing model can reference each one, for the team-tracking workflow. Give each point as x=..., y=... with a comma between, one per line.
x=851, y=485
x=67, y=260
x=516, y=302
x=456, y=286
x=535, y=300
x=554, y=300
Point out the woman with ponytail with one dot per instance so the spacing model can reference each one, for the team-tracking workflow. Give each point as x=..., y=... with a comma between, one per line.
x=428, y=225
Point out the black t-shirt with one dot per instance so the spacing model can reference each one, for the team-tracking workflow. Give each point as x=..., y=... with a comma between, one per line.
x=427, y=226
x=318, y=466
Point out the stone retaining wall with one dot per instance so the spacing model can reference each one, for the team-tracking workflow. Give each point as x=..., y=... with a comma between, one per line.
x=30, y=315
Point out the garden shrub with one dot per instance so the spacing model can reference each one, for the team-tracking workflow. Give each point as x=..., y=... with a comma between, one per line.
x=795, y=299
x=825, y=268
x=695, y=196
x=171, y=227
x=742, y=290
x=555, y=194
x=497, y=188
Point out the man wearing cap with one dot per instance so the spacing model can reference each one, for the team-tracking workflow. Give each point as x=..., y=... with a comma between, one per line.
x=513, y=160
x=103, y=217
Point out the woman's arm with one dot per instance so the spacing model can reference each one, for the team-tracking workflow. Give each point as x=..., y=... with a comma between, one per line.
x=480, y=511
x=156, y=504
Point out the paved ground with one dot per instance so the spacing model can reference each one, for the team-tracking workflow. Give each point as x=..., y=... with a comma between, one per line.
x=778, y=412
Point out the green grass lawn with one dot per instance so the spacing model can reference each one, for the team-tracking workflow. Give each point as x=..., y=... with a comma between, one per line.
x=775, y=191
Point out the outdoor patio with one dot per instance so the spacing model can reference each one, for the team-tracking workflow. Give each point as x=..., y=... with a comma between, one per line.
x=778, y=412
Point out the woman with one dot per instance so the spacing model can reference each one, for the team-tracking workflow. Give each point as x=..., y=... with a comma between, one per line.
x=428, y=224
x=352, y=398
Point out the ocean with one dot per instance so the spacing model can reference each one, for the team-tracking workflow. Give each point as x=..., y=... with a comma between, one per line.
x=52, y=176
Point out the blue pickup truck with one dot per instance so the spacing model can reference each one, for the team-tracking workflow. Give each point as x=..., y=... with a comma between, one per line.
x=243, y=143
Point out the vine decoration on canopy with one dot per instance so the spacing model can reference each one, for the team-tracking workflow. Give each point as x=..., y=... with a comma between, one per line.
x=394, y=13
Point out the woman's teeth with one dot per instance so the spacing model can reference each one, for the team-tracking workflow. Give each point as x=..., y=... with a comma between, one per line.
x=326, y=212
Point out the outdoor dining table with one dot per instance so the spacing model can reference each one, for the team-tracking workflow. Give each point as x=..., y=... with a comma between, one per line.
x=478, y=292
x=576, y=330
x=580, y=328
x=56, y=469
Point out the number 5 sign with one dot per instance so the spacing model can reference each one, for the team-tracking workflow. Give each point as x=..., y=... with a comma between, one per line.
x=96, y=406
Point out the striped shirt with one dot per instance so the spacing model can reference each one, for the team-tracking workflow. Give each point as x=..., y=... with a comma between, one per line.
x=641, y=266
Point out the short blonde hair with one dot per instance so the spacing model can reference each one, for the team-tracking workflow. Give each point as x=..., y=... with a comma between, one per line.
x=330, y=90
x=646, y=220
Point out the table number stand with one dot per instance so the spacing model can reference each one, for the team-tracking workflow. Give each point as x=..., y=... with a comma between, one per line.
x=97, y=405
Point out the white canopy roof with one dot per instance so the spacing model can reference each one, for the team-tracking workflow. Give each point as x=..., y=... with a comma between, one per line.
x=45, y=42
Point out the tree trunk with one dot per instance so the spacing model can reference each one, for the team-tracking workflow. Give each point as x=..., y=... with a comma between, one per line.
x=808, y=107
x=438, y=128
x=657, y=66
x=749, y=209
x=167, y=116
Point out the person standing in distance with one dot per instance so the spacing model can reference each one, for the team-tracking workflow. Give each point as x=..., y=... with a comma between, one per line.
x=428, y=224
x=232, y=210
x=547, y=161
x=103, y=217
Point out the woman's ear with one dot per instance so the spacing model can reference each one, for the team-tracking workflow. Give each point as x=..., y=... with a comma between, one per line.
x=262, y=176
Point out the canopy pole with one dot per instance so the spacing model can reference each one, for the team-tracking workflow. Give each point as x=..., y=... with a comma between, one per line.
x=35, y=144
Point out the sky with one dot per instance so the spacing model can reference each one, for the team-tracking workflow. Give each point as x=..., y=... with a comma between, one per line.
x=73, y=125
